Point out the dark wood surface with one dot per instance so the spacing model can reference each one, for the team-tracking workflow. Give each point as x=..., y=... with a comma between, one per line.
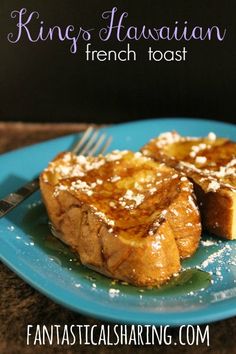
x=20, y=304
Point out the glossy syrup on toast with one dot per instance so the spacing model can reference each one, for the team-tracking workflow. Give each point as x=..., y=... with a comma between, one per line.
x=210, y=162
x=125, y=215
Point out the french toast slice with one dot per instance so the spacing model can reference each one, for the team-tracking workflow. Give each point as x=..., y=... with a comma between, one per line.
x=124, y=214
x=210, y=162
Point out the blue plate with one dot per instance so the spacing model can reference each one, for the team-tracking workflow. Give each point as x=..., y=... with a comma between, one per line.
x=29, y=250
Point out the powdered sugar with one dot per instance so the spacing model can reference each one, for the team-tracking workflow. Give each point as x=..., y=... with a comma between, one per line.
x=201, y=159
x=211, y=136
x=137, y=199
x=213, y=186
x=196, y=148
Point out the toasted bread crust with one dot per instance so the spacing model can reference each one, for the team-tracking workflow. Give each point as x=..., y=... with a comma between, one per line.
x=211, y=164
x=133, y=241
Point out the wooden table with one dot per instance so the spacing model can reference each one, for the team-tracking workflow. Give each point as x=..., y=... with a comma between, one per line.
x=21, y=305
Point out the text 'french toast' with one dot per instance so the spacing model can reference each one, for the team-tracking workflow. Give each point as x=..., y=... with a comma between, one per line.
x=126, y=215
x=210, y=162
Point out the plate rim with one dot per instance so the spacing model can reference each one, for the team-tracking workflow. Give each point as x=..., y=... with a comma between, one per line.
x=162, y=319
x=113, y=126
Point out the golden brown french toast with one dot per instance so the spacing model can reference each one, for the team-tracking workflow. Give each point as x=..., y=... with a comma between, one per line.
x=210, y=162
x=125, y=215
